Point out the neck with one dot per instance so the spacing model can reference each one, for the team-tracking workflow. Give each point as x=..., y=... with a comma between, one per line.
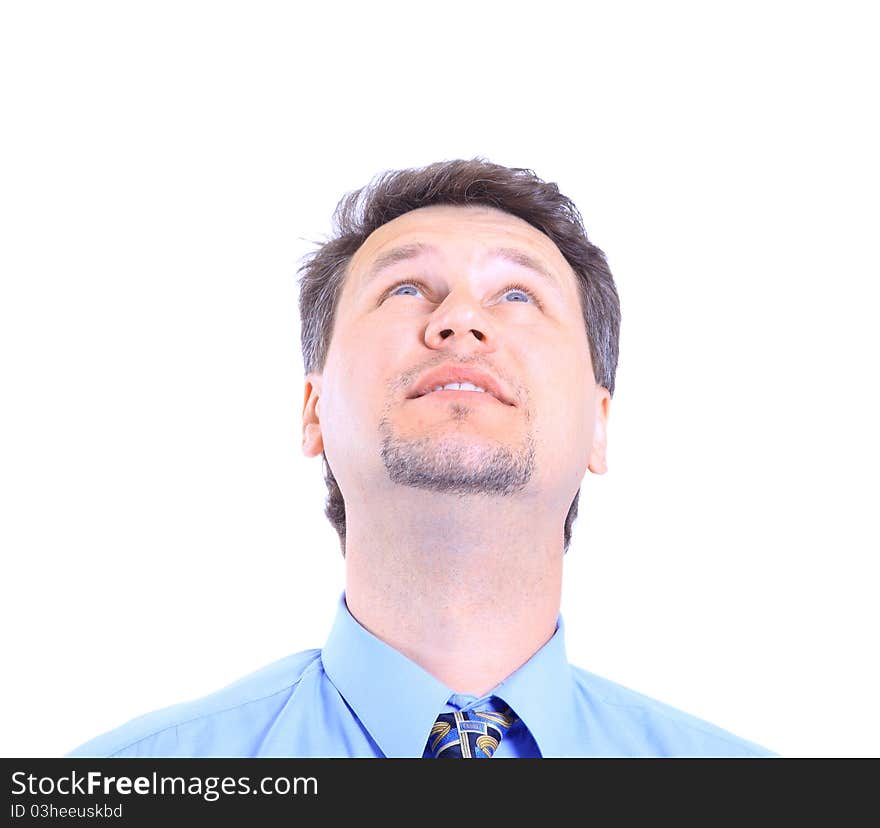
x=468, y=603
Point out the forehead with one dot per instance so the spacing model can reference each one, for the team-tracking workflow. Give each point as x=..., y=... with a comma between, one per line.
x=458, y=231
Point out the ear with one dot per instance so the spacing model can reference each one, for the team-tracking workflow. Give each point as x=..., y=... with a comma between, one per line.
x=598, y=463
x=313, y=442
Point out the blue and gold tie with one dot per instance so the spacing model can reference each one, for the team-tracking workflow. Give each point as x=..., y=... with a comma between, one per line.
x=471, y=734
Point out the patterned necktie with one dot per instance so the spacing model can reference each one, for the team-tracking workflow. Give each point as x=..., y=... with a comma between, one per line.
x=471, y=734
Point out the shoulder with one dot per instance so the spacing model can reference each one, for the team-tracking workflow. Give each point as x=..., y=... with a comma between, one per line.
x=643, y=726
x=219, y=724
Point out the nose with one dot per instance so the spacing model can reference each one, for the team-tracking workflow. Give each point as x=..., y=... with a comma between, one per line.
x=454, y=320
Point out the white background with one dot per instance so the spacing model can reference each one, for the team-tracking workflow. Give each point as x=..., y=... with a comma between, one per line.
x=165, y=165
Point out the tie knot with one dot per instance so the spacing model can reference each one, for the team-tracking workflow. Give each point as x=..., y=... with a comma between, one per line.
x=471, y=734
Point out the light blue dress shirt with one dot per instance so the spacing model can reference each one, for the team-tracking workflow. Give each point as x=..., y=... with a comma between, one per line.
x=359, y=697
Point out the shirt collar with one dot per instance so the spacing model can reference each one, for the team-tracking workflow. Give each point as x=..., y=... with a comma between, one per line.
x=542, y=693
x=398, y=701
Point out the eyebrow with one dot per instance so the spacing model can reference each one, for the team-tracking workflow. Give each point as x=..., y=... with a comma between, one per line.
x=407, y=252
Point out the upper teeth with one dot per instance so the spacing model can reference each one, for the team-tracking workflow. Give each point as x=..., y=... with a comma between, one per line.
x=457, y=386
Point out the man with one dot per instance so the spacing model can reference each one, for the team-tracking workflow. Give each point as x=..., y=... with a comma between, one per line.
x=460, y=338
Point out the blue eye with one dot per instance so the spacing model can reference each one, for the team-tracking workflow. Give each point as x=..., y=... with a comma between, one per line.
x=394, y=290
x=519, y=290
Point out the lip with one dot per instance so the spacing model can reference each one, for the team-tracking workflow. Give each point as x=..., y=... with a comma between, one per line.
x=446, y=374
x=464, y=396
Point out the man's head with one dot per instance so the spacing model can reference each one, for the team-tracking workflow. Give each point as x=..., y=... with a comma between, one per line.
x=459, y=271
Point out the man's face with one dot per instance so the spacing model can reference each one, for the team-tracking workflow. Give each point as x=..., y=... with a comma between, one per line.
x=452, y=306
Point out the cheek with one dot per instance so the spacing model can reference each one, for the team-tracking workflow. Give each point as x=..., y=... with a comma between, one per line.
x=564, y=417
x=564, y=411
x=356, y=381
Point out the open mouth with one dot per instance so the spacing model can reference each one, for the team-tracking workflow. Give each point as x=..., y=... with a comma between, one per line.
x=457, y=380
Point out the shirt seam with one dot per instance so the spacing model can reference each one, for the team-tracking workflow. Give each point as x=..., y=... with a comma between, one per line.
x=154, y=733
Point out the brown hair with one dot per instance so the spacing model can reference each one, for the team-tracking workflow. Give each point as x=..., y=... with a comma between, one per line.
x=460, y=182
